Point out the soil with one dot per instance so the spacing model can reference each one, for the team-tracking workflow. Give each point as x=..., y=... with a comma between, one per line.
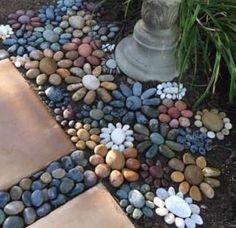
x=217, y=213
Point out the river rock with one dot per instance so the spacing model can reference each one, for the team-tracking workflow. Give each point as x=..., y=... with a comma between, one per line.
x=13, y=221
x=90, y=82
x=207, y=190
x=4, y=199
x=14, y=208
x=102, y=170
x=116, y=178
x=136, y=198
x=29, y=215
x=54, y=94
x=176, y=164
x=178, y=206
x=50, y=36
x=115, y=160
x=130, y=175
x=195, y=193
x=16, y=193
x=47, y=66
x=77, y=22
x=212, y=121
x=32, y=73
x=193, y=174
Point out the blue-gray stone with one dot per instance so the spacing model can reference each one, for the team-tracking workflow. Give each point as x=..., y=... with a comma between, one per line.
x=69, y=3
x=148, y=212
x=54, y=94
x=152, y=151
x=152, y=101
x=63, y=41
x=172, y=134
x=148, y=93
x=156, y=138
x=20, y=51
x=61, y=199
x=55, y=47
x=53, y=166
x=2, y=216
x=75, y=175
x=164, y=129
x=19, y=33
x=58, y=30
x=44, y=210
x=150, y=112
x=9, y=42
x=55, y=183
x=79, y=188
x=114, y=29
x=67, y=163
x=26, y=198
x=111, y=35
x=119, y=112
x=37, y=185
x=137, y=89
x=39, y=40
x=39, y=29
x=153, y=125
x=117, y=103
x=29, y=215
x=128, y=118
x=141, y=118
x=136, y=198
x=126, y=90
x=66, y=185
x=174, y=146
x=13, y=48
x=13, y=222
x=52, y=193
x=124, y=203
x=66, y=36
x=44, y=45
x=118, y=95
x=22, y=41
x=122, y=194
x=77, y=156
x=4, y=199
x=37, y=198
x=49, y=13
x=133, y=103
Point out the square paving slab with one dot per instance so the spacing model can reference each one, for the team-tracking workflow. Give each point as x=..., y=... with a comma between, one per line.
x=29, y=137
x=93, y=209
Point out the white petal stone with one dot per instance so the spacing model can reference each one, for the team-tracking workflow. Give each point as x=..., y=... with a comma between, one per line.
x=226, y=120
x=106, y=130
x=159, y=87
x=109, y=145
x=162, y=193
x=220, y=135
x=118, y=136
x=162, y=211
x=159, y=92
x=225, y=131
x=169, y=96
x=162, y=96
x=128, y=144
x=159, y=202
x=198, y=123
x=171, y=90
x=125, y=127
x=119, y=125
x=171, y=191
x=179, y=222
x=105, y=135
x=228, y=126
x=104, y=141
x=169, y=84
x=129, y=132
x=194, y=208
x=188, y=200
x=129, y=139
x=180, y=194
x=189, y=223
x=121, y=148
x=115, y=147
x=203, y=130
x=169, y=218
x=197, y=219
x=174, y=97
x=178, y=206
x=90, y=82
x=111, y=126
x=211, y=134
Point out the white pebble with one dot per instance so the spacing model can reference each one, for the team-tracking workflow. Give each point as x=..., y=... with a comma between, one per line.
x=129, y=139
x=109, y=145
x=158, y=202
x=115, y=147
x=179, y=222
x=175, y=84
x=121, y=147
x=226, y=120
x=168, y=84
x=220, y=135
x=174, y=97
x=128, y=144
x=194, y=208
x=203, y=130
x=119, y=125
x=180, y=195
x=198, y=123
x=129, y=132
x=211, y=134
x=17, y=64
x=105, y=135
x=197, y=117
x=228, y=126
x=171, y=191
x=188, y=200
x=125, y=127
x=169, y=96
x=163, y=96
x=164, y=85
x=106, y=130
x=162, y=211
x=111, y=126
x=190, y=223
x=169, y=218
x=197, y=219
x=159, y=87
x=225, y=131
x=162, y=193
x=159, y=92
x=105, y=141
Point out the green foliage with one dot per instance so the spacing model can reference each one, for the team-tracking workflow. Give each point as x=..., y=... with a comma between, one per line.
x=208, y=35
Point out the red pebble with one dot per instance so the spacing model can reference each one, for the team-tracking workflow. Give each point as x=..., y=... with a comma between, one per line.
x=184, y=122
x=70, y=47
x=76, y=41
x=156, y=171
x=162, y=109
x=164, y=118
x=93, y=60
x=174, y=123
x=168, y=103
x=85, y=50
x=180, y=105
x=174, y=112
x=72, y=55
x=79, y=62
x=87, y=40
x=187, y=113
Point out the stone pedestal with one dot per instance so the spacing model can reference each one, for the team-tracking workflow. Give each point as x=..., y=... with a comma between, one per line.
x=149, y=54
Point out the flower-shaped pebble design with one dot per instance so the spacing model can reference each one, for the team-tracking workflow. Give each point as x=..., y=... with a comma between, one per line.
x=194, y=176
x=154, y=173
x=135, y=104
x=115, y=165
x=213, y=123
x=159, y=139
x=176, y=209
x=84, y=136
x=194, y=140
x=174, y=113
x=109, y=65
x=171, y=90
x=24, y=20
x=48, y=67
x=49, y=14
x=135, y=201
x=117, y=137
x=98, y=115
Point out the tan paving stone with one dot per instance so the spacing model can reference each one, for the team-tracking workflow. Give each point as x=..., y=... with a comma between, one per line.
x=93, y=209
x=29, y=137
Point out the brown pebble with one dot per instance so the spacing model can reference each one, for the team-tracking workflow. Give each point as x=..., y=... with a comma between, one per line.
x=177, y=176
x=184, y=187
x=130, y=152
x=195, y=193
x=80, y=145
x=207, y=190
x=188, y=159
x=101, y=150
x=180, y=105
x=102, y=170
x=201, y=162
x=176, y=164
x=132, y=164
x=130, y=175
x=116, y=178
x=96, y=160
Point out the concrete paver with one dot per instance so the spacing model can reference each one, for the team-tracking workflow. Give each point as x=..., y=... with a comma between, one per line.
x=29, y=137
x=93, y=209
